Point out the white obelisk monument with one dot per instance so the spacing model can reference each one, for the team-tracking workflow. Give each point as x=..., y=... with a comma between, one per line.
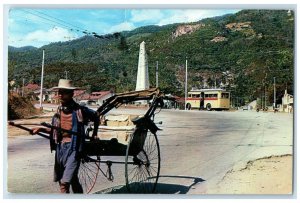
x=142, y=79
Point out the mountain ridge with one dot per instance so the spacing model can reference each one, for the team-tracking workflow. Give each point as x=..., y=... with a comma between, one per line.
x=248, y=54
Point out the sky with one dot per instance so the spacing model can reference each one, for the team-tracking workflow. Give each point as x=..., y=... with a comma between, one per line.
x=38, y=27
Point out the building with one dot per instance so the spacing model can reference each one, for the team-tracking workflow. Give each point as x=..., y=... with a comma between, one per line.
x=84, y=98
x=32, y=87
x=99, y=98
x=78, y=96
x=47, y=95
x=34, y=91
x=31, y=90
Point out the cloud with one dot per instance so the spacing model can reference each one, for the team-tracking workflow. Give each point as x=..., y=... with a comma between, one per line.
x=151, y=15
x=39, y=38
x=170, y=16
x=126, y=26
x=191, y=15
x=54, y=34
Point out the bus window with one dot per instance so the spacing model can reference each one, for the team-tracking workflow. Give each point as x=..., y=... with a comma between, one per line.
x=225, y=95
x=195, y=95
x=211, y=95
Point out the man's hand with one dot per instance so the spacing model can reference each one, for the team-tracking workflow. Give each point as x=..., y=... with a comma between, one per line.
x=37, y=130
x=94, y=137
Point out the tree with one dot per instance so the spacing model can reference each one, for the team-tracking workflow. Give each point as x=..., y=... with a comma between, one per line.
x=11, y=70
x=74, y=53
x=123, y=44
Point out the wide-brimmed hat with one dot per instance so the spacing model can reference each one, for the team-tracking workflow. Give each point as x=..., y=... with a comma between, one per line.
x=65, y=84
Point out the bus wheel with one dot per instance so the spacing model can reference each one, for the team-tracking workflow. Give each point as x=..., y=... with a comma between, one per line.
x=188, y=106
x=208, y=107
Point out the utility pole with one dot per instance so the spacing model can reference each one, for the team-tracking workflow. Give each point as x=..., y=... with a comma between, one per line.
x=185, y=92
x=215, y=82
x=263, y=94
x=274, y=94
x=265, y=97
x=156, y=74
x=261, y=98
x=265, y=90
x=42, y=80
x=66, y=72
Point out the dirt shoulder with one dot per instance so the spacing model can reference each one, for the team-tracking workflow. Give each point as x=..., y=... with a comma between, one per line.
x=270, y=175
x=14, y=131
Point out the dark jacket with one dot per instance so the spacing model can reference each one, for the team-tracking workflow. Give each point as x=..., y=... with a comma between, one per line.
x=81, y=116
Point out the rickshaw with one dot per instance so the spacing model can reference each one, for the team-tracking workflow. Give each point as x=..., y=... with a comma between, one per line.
x=140, y=146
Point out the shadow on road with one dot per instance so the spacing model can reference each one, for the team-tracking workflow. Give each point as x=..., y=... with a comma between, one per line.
x=168, y=188
x=161, y=188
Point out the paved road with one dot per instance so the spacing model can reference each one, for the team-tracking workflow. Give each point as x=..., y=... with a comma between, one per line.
x=197, y=149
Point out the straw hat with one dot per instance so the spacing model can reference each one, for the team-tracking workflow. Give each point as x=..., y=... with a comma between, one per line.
x=65, y=84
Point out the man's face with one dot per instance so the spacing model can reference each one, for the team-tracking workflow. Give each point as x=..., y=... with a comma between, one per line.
x=65, y=96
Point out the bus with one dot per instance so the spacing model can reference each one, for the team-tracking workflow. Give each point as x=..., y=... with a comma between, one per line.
x=209, y=99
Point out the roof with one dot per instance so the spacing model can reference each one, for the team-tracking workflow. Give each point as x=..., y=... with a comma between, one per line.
x=78, y=92
x=98, y=95
x=82, y=95
x=180, y=99
x=32, y=86
x=38, y=91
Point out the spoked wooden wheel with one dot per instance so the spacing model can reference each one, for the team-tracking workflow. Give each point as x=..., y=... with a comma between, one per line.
x=88, y=173
x=142, y=163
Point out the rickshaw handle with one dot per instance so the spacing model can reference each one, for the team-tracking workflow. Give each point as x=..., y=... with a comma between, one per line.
x=28, y=129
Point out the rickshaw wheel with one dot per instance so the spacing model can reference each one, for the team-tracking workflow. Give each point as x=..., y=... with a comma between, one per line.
x=142, y=169
x=88, y=173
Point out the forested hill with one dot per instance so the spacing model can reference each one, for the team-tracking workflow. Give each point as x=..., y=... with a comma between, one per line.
x=240, y=52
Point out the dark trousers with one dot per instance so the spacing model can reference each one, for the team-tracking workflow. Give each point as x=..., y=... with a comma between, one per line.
x=66, y=167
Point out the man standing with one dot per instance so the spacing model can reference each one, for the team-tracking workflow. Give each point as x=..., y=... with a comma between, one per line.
x=68, y=142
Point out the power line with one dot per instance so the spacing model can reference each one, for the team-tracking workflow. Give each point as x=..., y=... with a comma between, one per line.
x=28, y=18
x=60, y=20
x=68, y=27
x=73, y=28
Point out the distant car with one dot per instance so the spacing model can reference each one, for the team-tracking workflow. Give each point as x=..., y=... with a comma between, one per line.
x=245, y=107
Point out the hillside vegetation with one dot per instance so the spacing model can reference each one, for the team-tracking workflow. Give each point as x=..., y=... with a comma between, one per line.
x=241, y=52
